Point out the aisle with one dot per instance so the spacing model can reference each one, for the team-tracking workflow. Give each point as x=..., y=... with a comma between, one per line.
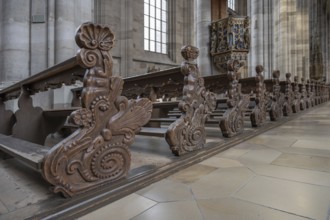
x=281, y=174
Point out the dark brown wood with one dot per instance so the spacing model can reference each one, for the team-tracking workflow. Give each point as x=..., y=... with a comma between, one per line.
x=65, y=73
x=7, y=119
x=188, y=132
x=31, y=125
x=98, y=151
x=232, y=122
x=277, y=98
x=305, y=102
x=287, y=106
x=310, y=95
x=296, y=96
x=258, y=115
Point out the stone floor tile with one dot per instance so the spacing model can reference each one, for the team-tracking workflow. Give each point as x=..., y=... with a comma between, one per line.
x=304, y=161
x=3, y=209
x=221, y=183
x=272, y=141
x=288, y=196
x=306, y=151
x=314, y=144
x=122, y=209
x=193, y=173
x=181, y=210
x=264, y=156
x=221, y=162
x=166, y=191
x=294, y=174
x=235, y=209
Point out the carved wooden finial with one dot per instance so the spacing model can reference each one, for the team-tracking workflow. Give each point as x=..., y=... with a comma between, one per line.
x=276, y=74
x=259, y=69
x=295, y=78
x=189, y=53
x=287, y=75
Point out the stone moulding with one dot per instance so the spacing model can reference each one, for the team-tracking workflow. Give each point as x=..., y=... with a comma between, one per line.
x=287, y=107
x=98, y=152
x=259, y=113
x=277, y=98
x=188, y=132
x=232, y=122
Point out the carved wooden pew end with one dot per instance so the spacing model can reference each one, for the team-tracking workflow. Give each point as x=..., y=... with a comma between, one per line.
x=98, y=151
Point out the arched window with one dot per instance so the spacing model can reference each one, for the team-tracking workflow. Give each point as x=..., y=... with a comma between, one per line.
x=155, y=26
x=231, y=4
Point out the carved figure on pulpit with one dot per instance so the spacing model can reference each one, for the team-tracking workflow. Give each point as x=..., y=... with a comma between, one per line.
x=247, y=33
x=231, y=36
x=213, y=38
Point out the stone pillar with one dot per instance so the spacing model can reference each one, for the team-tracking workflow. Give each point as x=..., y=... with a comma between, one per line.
x=51, y=33
x=15, y=40
x=64, y=30
x=203, y=21
x=257, y=35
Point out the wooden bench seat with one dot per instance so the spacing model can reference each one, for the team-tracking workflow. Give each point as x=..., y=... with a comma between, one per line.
x=29, y=153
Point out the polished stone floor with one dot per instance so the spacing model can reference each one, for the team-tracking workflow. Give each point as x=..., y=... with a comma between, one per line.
x=282, y=174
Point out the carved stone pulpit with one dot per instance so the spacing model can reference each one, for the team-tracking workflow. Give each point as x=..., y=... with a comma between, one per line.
x=230, y=40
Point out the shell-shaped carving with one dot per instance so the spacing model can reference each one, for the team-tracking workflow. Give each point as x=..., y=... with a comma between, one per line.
x=91, y=36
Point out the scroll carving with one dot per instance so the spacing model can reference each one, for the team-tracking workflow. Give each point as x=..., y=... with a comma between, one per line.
x=296, y=96
x=277, y=98
x=258, y=115
x=287, y=107
x=188, y=132
x=98, y=152
x=232, y=122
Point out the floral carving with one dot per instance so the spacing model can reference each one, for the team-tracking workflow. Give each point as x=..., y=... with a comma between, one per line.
x=98, y=152
x=188, y=132
x=232, y=122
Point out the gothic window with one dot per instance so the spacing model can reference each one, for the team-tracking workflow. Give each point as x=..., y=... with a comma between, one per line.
x=155, y=26
x=231, y=4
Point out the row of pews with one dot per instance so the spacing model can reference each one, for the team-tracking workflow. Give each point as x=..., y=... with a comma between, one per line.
x=112, y=111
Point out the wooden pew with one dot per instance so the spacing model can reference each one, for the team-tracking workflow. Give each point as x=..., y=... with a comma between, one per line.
x=107, y=122
x=232, y=121
x=276, y=96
